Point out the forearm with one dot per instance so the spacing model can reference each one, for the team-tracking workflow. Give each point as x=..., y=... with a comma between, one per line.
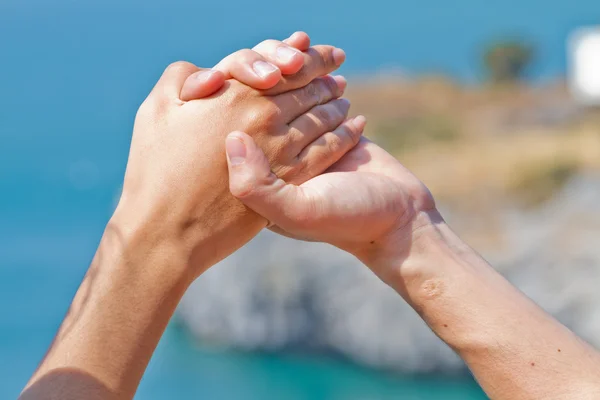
x=514, y=349
x=116, y=320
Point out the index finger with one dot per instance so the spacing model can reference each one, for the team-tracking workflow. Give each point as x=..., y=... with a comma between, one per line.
x=318, y=61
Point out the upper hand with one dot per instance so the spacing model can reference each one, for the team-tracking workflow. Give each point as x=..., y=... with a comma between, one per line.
x=175, y=190
x=260, y=68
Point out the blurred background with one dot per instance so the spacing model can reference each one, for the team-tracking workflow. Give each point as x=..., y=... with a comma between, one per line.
x=474, y=97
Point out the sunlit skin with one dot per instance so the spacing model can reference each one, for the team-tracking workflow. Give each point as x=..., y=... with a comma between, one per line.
x=286, y=57
x=176, y=216
x=371, y=206
x=179, y=215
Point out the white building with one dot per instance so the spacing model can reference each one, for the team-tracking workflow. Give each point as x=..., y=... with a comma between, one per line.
x=584, y=65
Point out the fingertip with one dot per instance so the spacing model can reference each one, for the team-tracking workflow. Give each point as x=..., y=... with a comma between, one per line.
x=360, y=122
x=300, y=40
x=341, y=82
x=202, y=84
x=339, y=56
x=214, y=74
x=345, y=104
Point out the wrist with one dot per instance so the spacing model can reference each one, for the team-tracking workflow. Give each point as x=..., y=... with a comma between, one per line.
x=423, y=252
x=121, y=309
x=147, y=246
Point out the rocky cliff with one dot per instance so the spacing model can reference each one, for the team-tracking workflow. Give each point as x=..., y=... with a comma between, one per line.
x=276, y=293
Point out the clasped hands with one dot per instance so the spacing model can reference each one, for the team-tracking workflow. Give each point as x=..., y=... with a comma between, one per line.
x=263, y=138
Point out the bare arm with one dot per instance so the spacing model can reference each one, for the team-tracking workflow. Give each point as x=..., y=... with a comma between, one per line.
x=116, y=319
x=371, y=206
x=176, y=216
x=514, y=349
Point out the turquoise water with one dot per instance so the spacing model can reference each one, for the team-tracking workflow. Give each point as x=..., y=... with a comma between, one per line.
x=71, y=76
x=295, y=377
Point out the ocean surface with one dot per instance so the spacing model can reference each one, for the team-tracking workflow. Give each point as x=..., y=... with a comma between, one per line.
x=72, y=75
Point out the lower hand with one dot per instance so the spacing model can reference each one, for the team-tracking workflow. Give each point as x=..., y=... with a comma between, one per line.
x=367, y=203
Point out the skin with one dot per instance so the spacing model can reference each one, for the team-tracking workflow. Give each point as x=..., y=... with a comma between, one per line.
x=175, y=220
x=371, y=206
x=176, y=216
x=284, y=58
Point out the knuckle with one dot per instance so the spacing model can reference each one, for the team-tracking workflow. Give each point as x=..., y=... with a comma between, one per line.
x=321, y=91
x=303, y=75
x=310, y=93
x=271, y=113
x=266, y=114
x=144, y=109
x=242, y=188
x=151, y=108
x=326, y=115
x=323, y=56
x=335, y=144
x=266, y=44
x=318, y=59
x=351, y=135
x=341, y=108
x=178, y=66
x=331, y=87
x=243, y=55
x=244, y=184
x=261, y=45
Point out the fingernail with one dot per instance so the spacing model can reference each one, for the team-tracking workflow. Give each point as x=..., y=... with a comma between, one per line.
x=339, y=56
x=285, y=54
x=236, y=150
x=263, y=69
x=205, y=75
x=341, y=82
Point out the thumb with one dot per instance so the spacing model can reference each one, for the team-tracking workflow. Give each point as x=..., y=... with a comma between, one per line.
x=252, y=182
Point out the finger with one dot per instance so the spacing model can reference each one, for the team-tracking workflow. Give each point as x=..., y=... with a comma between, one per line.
x=198, y=85
x=250, y=68
x=251, y=181
x=326, y=150
x=285, y=56
x=318, y=61
x=259, y=76
x=320, y=91
x=288, y=59
x=202, y=84
x=318, y=121
x=173, y=78
x=300, y=40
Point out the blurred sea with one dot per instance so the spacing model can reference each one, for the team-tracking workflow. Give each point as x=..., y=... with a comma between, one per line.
x=72, y=74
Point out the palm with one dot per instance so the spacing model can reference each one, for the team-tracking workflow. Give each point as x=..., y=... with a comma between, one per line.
x=364, y=196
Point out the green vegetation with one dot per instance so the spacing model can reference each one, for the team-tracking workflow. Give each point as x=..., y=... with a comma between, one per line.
x=507, y=61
